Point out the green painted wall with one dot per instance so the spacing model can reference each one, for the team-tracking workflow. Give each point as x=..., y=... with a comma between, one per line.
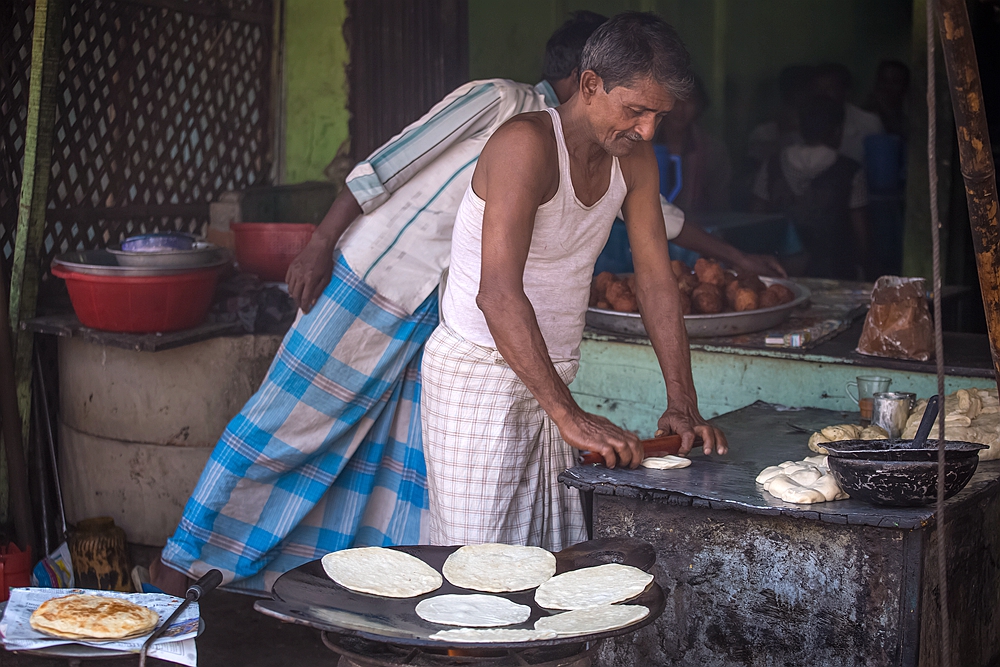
x=315, y=104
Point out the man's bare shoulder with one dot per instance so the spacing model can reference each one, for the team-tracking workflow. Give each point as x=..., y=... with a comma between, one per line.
x=639, y=164
x=526, y=135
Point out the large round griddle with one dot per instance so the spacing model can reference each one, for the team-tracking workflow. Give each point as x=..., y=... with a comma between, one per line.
x=307, y=596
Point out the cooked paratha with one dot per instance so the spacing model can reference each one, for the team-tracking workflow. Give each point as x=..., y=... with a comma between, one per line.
x=592, y=619
x=93, y=617
x=499, y=568
x=379, y=571
x=592, y=587
x=472, y=611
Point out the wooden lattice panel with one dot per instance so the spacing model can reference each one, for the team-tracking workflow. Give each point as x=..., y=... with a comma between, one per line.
x=158, y=111
x=15, y=58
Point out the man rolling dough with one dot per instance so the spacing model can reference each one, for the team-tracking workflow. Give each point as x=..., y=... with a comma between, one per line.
x=499, y=422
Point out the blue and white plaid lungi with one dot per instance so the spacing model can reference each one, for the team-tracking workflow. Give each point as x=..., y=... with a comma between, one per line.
x=326, y=455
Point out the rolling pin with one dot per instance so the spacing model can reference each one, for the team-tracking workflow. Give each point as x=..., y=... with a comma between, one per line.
x=659, y=446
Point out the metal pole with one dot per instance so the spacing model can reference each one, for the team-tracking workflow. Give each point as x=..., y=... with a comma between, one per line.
x=976, y=157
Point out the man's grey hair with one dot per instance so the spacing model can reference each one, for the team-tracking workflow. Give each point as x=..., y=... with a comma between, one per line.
x=634, y=45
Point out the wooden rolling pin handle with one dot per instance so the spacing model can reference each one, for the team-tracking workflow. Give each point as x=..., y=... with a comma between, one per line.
x=658, y=446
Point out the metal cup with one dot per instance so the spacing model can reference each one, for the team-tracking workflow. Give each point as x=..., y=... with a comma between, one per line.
x=890, y=410
x=867, y=386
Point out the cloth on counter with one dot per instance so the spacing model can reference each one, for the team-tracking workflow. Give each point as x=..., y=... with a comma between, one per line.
x=326, y=455
x=493, y=455
x=258, y=308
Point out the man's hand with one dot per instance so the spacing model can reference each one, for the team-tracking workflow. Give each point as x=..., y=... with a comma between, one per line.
x=310, y=272
x=592, y=433
x=761, y=265
x=687, y=422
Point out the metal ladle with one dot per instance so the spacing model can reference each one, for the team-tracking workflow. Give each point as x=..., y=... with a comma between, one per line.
x=926, y=422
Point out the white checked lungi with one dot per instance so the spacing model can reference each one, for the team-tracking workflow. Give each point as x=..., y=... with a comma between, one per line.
x=493, y=455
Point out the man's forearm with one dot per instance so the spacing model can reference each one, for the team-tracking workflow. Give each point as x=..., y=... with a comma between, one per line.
x=515, y=331
x=659, y=303
x=342, y=213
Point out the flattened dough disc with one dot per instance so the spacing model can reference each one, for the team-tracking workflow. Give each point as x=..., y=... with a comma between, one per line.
x=380, y=571
x=499, y=568
x=492, y=635
x=592, y=619
x=472, y=611
x=592, y=587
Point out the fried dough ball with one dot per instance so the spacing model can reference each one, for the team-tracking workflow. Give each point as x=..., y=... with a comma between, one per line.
x=686, y=283
x=603, y=279
x=685, y=304
x=595, y=295
x=707, y=299
x=679, y=268
x=621, y=297
x=745, y=299
x=709, y=271
x=603, y=305
x=731, y=289
x=775, y=295
x=752, y=282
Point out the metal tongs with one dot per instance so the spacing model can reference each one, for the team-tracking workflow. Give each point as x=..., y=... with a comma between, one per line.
x=194, y=592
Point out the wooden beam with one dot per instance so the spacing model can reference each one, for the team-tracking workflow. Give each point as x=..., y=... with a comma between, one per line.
x=976, y=157
x=46, y=49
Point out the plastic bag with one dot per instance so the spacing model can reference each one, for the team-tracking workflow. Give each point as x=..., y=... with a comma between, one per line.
x=898, y=325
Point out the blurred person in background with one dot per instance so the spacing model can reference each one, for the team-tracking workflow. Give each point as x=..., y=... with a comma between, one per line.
x=823, y=193
x=706, y=170
x=833, y=81
x=888, y=96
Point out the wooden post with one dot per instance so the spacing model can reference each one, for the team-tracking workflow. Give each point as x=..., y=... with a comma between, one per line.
x=976, y=158
x=46, y=48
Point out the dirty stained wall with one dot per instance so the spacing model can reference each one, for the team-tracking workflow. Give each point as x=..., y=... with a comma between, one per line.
x=315, y=86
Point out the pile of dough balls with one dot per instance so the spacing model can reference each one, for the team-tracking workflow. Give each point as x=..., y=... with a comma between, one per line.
x=802, y=482
x=970, y=415
x=844, y=432
x=705, y=290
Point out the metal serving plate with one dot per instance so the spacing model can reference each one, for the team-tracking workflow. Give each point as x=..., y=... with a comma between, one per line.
x=200, y=255
x=307, y=596
x=708, y=326
x=105, y=263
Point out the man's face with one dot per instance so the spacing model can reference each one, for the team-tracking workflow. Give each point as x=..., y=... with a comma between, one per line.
x=626, y=115
x=832, y=87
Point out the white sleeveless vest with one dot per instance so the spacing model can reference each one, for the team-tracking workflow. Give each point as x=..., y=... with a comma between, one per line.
x=565, y=243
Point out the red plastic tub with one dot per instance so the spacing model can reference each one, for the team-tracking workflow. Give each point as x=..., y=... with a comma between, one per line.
x=141, y=305
x=268, y=248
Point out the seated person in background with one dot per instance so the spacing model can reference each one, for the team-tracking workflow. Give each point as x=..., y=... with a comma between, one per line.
x=767, y=139
x=823, y=193
x=706, y=171
x=888, y=96
x=833, y=80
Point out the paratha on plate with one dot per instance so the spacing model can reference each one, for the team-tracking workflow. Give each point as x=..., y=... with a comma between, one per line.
x=84, y=616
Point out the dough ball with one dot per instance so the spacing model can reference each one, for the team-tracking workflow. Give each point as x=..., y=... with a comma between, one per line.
x=707, y=299
x=842, y=432
x=746, y=299
x=769, y=473
x=680, y=268
x=685, y=304
x=603, y=279
x=776, y=295
x=603, y=305
x=709, y=271
x=873, y=432
x=595, y=295
x=818, y=461
x=816, y=441
x=806, y=476
x=827, y=485
x=687, y=283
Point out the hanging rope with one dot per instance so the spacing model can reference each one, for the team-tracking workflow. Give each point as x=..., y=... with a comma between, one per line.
x=942, y=570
